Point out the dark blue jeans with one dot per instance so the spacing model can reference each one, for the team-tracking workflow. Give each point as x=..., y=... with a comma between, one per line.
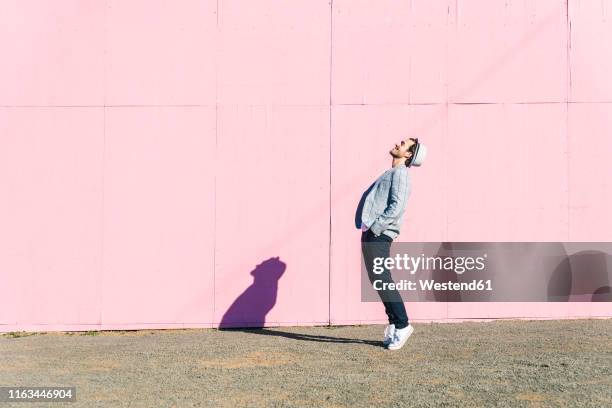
x=373, y=246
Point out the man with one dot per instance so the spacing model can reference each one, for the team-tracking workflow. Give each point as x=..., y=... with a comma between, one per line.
x=379, y=216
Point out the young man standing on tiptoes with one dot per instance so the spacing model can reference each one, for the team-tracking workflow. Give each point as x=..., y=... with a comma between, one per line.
x=380, y=219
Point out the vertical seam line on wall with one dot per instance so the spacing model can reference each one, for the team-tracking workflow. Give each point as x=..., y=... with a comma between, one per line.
x=101, y=286
x=567, y=113
x=214, y=269
x=447, y=126
x=446, y=134
x=329, y=255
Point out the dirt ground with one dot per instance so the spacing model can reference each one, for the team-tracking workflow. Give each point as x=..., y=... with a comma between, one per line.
x=503, y=363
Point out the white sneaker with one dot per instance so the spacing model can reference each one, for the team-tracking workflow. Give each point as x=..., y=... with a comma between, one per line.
x=389, y=332
x=400, y=337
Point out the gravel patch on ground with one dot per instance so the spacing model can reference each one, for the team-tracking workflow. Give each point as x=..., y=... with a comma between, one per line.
x=501, y=363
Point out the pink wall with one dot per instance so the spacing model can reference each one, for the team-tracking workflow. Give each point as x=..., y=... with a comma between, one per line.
x=154, y=153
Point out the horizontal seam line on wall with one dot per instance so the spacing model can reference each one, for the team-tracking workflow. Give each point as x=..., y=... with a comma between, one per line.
x=306, y=106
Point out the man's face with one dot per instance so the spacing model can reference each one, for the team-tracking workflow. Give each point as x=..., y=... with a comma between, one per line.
x=401, y=149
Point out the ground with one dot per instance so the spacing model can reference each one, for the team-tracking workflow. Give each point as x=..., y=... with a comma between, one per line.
x=502, y=363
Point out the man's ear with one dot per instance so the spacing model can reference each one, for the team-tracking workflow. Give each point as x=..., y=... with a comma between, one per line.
x=408, y=155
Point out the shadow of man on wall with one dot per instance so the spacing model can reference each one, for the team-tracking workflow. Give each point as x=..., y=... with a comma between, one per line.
x=248, y=312
x=252, y=306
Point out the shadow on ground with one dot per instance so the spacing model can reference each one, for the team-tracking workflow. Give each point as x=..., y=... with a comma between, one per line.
x=306, y=337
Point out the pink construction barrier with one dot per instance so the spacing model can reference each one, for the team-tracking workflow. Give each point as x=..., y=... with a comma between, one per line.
x=197, y=163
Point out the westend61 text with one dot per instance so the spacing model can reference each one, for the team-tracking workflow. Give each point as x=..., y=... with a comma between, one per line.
x=430, y=284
